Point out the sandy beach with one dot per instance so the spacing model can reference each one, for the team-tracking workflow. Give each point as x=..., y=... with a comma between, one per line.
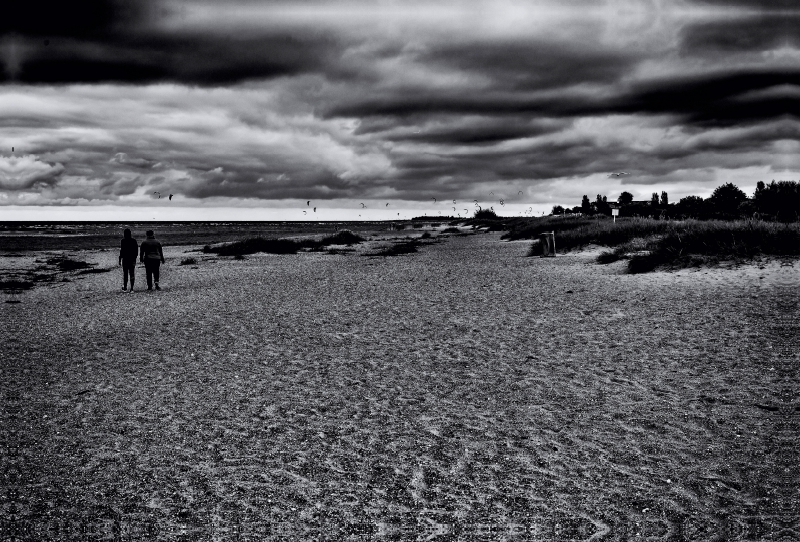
x=462, y=391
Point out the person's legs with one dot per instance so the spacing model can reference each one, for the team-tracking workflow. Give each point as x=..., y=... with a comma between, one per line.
x=156, y=269
x=124, y=276
x=131, y=269
x=148, y=266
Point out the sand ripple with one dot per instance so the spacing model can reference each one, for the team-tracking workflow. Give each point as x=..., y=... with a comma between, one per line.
x=456, y=392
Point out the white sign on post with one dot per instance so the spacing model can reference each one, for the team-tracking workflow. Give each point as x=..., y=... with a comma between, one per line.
x=614, y=213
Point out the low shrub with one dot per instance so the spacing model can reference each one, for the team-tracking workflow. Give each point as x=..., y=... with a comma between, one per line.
x=650, y=243
x=188, y=261
x=399, y=248
x=15, y=285
x=485, y=214
x=258, y=244
x=344, y=237
x=65, y=264
x=607, y=257
x=283, y=246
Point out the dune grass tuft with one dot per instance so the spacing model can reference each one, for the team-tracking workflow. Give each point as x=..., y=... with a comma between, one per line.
x=15, y=285
x=282, y=246
x=65, y=264
x=397, y=249
x=649, y=243
x=692, y=242
x=608, y=256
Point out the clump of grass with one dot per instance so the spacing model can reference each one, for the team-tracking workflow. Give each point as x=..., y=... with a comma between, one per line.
x=257, y=244
x=282, y=246
x=650, y=243
x=15, y=285
x=425, y=235
x=65, y=264
x=92, y=271
x=344, y=237
x=239, y=257
x=189, y=261
x=608, y=256
x=486, y=214
x=399, y=248
x=578, y=233
x=693, y=242
x=451, y=230
x=531, y=228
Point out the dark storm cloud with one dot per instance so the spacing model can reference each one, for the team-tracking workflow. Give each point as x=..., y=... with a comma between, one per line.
x=545, y=160
x=533, y=64
x=158, y=58
x=756, y=5
x=95, y=41
x=82, y=19
x=715, y=99
x=454, y=102
x=477, y=131
x=310, y=183
x=705, y=99
x=752, y=34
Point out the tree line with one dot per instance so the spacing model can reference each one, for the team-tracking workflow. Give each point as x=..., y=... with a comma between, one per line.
x=778, y=201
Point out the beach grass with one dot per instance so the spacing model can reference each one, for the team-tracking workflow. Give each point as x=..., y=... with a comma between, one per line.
x=15, y=284
x=648, y=243
x=253, y=245
x=408, y=247
x=690, y=242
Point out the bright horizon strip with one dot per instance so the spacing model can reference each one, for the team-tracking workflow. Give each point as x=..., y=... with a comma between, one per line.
x=111, y=213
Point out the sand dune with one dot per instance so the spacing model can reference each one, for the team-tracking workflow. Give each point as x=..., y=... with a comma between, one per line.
x=464, y=390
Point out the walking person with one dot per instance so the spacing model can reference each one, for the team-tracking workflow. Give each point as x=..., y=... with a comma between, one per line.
x=128, y=251
x=152, y=256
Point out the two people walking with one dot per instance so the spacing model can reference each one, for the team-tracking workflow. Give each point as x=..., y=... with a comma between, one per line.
x=150, y=254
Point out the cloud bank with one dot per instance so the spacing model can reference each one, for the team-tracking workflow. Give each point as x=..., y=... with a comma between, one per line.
x=109, y=102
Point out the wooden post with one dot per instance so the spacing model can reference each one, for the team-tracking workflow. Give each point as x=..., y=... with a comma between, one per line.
x=548, y=242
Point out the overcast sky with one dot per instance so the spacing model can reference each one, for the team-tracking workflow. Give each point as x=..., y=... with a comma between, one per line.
x=248, y=109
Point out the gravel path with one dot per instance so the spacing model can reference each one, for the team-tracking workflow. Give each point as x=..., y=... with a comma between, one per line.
x=464, y=390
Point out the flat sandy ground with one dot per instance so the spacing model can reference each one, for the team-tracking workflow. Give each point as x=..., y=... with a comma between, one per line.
x=463, y=392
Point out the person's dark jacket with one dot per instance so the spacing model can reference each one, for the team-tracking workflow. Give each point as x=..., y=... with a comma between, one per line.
x=151, y=250
x=129, y=249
